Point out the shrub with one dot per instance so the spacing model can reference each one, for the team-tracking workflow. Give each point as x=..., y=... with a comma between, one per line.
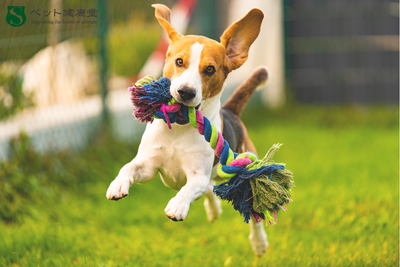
x=130, y=45
x=12, y=98
x=28, y=177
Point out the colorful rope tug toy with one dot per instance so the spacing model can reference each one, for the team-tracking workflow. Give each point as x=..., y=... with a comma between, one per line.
x=257, y=188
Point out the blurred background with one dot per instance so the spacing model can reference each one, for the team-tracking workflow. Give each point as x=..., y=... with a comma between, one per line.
x=66, y=118
x=68, y=66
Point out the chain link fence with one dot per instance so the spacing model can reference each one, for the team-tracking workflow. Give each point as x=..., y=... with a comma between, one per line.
x=63, y=64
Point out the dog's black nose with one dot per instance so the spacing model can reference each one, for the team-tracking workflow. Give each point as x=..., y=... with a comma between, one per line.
x=186, y=93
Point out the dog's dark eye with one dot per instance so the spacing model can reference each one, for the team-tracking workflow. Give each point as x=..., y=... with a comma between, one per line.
x=210, y=70
x=179, y=62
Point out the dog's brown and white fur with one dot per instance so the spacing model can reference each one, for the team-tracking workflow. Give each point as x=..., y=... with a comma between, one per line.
x=197, y=67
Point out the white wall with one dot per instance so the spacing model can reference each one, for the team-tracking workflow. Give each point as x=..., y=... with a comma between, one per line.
x=268, y=49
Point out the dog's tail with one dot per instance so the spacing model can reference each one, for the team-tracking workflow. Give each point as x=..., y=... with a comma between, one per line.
x=238, y=100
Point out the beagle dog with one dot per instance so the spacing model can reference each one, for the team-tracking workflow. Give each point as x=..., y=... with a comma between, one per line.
x=197, y=67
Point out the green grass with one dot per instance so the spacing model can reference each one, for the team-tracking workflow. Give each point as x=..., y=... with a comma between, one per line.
x=345, y=211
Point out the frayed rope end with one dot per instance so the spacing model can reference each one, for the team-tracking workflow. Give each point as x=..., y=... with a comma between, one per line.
x=260, y=190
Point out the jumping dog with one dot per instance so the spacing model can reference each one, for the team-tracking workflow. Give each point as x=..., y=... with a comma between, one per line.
x=197, y=67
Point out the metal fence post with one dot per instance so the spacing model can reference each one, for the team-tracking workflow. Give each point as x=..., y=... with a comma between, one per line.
x=286, y=18
x=102, y=34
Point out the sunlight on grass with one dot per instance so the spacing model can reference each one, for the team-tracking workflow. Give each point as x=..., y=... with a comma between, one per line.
x=345, y=210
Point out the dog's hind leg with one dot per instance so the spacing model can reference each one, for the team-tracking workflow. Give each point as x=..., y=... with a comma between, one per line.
x=137, y=171
x=212, y=204
x=258, y=237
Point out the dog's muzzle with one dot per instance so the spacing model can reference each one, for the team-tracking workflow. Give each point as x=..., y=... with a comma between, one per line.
x=186, y=93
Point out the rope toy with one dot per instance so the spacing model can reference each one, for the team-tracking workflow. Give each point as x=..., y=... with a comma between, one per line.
x=257, y=188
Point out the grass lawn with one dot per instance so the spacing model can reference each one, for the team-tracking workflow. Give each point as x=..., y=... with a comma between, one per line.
x=345, y=210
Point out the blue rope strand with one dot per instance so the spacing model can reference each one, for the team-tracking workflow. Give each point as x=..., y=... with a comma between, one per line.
x=185, y=112
x=231, y=169
x=207, y=129
x=225, y=153
x=159, y=90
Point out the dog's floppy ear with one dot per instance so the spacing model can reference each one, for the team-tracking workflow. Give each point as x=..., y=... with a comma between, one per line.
x=238, y=38
x=163, y=15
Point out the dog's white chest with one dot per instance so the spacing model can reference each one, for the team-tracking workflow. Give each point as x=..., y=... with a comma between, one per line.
x=170, y=168
x=176, y=152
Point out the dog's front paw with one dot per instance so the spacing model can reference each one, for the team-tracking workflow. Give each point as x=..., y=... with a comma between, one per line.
x=119, y=188
x=177, y=209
